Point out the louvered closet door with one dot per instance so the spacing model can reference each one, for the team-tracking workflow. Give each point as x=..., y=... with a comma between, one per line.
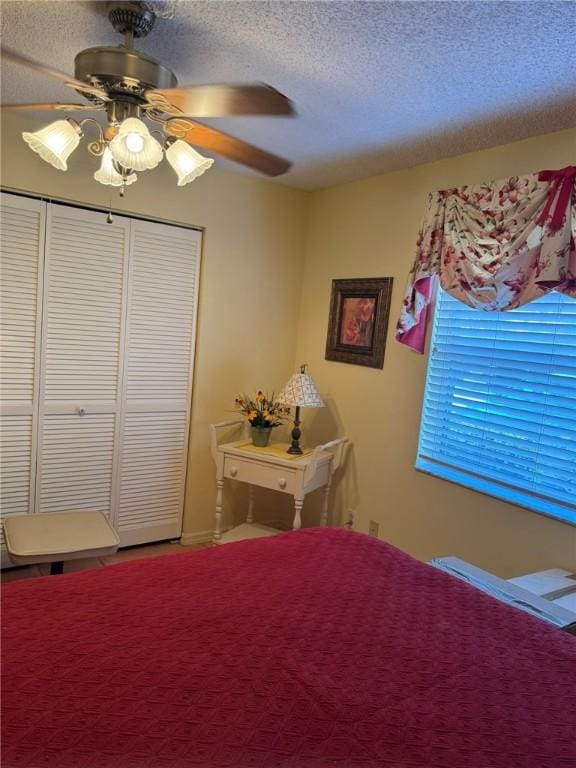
x=22, y=227
x=81, y=375
x=162, y=303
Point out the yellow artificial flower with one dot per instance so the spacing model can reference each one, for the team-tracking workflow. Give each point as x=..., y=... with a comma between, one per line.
x=260, y=409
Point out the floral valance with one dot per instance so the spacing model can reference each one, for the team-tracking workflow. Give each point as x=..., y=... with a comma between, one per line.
x=493, y=246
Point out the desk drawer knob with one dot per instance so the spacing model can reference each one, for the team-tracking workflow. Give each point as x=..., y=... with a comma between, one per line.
x=282, y=482
x=233, y=471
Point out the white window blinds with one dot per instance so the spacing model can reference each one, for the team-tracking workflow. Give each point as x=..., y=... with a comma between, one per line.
x=499, y=410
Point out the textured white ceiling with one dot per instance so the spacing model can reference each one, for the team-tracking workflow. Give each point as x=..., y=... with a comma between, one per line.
x=378, y=85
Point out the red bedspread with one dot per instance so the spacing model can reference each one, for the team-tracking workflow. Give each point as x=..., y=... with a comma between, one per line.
x=316, y=648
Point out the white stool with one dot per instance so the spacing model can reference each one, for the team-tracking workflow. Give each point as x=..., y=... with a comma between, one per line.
x=53, y=537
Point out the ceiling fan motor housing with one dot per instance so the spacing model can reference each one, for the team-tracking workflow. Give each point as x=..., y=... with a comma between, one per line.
x=122, y=72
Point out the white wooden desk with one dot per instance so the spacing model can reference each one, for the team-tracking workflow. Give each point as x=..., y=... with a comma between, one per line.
x=272, y=468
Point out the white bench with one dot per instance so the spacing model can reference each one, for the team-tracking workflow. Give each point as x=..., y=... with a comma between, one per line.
x=54, y=537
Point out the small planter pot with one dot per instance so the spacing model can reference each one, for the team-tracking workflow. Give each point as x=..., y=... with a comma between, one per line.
x=261, y=436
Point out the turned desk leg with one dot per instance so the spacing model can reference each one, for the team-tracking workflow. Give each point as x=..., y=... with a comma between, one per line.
x=218, y=521
x=324, y=514
x=250, y=515
x=298, y=504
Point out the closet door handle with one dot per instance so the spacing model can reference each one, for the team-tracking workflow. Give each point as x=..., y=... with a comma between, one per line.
x=81, y=411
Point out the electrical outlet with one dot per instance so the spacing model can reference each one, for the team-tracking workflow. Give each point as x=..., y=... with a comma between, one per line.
x=373, y=527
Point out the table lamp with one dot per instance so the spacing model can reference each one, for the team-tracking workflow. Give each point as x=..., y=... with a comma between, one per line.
x=302, y=393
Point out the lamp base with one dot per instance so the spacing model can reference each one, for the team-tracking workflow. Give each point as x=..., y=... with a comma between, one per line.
x=294, y=448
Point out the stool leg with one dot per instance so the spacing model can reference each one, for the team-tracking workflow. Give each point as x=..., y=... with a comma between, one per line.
x=56, y=568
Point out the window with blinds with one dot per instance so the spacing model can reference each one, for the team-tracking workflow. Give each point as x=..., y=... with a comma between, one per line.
x=499, y=411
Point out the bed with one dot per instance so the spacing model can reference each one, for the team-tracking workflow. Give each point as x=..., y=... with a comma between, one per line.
x=314, y=648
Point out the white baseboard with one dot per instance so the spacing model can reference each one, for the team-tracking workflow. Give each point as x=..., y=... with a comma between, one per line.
x=199, y=537
x=5, y=561
x=281, y=525
x=205, y=537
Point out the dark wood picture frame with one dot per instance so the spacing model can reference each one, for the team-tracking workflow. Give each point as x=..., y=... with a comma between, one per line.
x=359, y=310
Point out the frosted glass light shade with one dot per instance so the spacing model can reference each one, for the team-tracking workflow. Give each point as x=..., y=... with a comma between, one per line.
x=187, y=163
x=108, y=175
x=55, y=143
x=134, y=147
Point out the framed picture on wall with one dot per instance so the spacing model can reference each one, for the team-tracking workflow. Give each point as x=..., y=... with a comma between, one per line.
x=358, y=322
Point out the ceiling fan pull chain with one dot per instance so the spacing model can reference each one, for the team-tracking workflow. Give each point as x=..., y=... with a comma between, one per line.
x=109, y=217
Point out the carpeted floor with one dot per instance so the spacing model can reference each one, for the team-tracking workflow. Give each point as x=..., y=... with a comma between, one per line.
x=130, y=553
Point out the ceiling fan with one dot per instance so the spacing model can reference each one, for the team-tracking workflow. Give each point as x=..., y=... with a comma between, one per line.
x=129, y=86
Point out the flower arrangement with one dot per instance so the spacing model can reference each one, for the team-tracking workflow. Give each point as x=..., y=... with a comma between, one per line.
x=261, y=410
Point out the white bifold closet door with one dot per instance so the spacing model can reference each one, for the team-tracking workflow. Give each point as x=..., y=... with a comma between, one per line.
x=98, y=329
x=162, y=302
x=81, y=364
x=22, y=225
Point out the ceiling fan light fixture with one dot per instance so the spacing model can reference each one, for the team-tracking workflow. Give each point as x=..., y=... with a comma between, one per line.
x=108, y=175
x=134, y=88
x=134, y=147
x=56, y=142
x=186, y=161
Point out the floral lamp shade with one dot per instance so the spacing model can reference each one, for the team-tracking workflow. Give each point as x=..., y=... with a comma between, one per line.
x=301, y=391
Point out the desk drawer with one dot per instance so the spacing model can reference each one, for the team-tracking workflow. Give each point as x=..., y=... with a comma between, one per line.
x=277, y=478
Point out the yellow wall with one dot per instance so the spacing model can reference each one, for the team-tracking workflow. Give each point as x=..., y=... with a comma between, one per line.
x=250, y=281
x=368, y=229
x=264, y=309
